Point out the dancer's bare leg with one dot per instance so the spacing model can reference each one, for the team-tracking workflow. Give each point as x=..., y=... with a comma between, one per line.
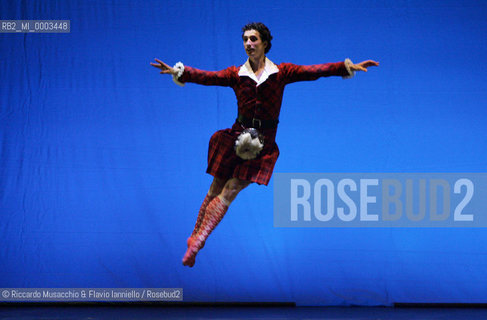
x=232, y=188
x=215, y=211
x=216, y=188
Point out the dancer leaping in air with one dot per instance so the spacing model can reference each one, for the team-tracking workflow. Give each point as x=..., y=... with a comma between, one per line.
x=247, y=152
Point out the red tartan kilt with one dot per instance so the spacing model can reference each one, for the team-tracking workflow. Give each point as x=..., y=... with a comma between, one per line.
x=224, y=163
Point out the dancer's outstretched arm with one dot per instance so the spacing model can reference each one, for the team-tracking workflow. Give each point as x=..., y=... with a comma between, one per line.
x=181, y=74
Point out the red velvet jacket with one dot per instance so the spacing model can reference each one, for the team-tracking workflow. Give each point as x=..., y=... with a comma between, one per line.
x=262, y=99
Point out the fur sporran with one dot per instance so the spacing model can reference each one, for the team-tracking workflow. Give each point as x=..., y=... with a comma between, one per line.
x=249, y=144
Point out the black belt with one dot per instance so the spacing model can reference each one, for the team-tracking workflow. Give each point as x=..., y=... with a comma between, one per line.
x=257, y=123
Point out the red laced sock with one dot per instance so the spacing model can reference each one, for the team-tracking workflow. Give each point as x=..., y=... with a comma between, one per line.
x=215, y=211
x=199, y=219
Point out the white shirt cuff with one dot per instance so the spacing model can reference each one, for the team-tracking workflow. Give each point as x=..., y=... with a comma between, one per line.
x=351, y=73
x=180, y=68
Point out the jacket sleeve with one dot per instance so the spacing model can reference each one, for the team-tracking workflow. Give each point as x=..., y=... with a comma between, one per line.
x=293, y=73
x=225, y=77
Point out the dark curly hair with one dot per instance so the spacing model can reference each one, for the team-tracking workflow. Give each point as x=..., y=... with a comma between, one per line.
x=265, y=33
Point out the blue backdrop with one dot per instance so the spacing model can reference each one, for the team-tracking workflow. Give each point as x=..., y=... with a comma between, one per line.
x=102, y=159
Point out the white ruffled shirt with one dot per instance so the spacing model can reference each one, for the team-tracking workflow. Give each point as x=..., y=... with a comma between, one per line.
x=269, y=68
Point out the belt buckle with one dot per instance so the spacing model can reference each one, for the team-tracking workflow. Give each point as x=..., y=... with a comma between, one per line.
x=254, y=121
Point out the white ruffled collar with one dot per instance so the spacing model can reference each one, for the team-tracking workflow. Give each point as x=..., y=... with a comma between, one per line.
x=269, y=68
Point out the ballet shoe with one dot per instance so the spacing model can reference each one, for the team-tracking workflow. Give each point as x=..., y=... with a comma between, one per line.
x=194, y=246
x=189, y=258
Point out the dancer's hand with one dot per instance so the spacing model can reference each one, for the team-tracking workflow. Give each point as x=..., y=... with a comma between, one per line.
x=362, y=66
x=165, y=69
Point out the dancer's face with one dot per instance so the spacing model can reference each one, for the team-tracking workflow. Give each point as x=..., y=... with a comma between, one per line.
x=254, y=47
